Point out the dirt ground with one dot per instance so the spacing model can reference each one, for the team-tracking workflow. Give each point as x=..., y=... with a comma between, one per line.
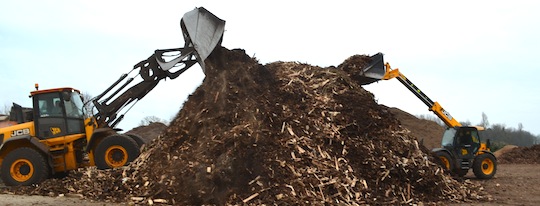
x=24, y=200
x=64, y=199
x=514, y=184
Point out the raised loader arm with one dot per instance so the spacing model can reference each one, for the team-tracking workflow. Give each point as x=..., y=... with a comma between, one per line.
x=378, y=70
x=202, y=32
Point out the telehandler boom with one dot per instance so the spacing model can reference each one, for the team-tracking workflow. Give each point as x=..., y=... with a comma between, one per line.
x=56, y=135
x=462, y=148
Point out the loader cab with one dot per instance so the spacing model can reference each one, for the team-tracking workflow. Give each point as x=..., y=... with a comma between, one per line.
x=464, y=142
x=57, y=112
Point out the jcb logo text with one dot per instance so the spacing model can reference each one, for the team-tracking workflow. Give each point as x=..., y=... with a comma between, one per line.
x=20, y=132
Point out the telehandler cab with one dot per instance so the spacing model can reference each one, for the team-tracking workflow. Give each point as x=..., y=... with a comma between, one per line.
x=56, y=135
x=462, y=148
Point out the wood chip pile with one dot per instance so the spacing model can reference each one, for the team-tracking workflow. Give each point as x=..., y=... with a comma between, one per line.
x=521, y=155
x=284, y=133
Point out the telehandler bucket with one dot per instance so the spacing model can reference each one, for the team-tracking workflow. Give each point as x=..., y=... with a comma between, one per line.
x=375, y=71
x=202, y=31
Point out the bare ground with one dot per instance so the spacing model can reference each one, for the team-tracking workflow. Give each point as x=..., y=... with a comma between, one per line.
x=24, y=200
x=514, y=184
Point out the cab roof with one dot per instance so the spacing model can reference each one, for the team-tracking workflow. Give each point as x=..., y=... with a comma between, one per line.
x=61, y=89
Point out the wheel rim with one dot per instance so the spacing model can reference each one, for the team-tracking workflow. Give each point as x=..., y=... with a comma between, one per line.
x=487, y=166
x=445, y=162
x=22, y=170
x=116, y=156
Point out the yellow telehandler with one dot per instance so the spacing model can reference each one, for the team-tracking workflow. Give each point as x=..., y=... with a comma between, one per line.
x=56, y=135
x=462, y=148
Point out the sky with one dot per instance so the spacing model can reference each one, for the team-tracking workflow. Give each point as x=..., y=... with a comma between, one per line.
x=472, y=57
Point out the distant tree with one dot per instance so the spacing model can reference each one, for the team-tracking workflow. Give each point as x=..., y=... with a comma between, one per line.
x=497, y=145
x=466, y=123
x=484, y=123
x=500, y=134
x=88, y=105
x=151, y=119
x=5, y=109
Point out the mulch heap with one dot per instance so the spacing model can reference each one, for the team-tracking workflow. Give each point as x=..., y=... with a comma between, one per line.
x=148, y=132
x=284, y=133
x=521, y=155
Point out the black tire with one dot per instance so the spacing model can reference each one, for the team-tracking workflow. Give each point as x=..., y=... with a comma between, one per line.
x=445, y=160
x=115, y=151
x=137, y=138
x=60, y=175
x=462, y=172
x=485, y=166
x=24, y=166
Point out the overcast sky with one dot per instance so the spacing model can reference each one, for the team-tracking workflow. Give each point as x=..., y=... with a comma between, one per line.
x=470, y=56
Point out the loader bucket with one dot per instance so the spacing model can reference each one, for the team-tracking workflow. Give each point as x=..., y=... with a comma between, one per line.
x=203, y=31
x=375, y=71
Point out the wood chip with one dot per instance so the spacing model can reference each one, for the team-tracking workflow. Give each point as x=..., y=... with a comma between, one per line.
x=250, y=197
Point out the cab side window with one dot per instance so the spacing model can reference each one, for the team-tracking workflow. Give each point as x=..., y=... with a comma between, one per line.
x=49, y=105
x=474, y=135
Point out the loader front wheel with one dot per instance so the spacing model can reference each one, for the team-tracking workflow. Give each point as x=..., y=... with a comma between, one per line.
x=24, y=166
x=445, y=160
x=115, y=151
x=484, y=166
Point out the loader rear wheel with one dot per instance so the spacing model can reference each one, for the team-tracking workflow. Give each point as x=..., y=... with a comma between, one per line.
x=24, y=166
x=484, y=166
x=115, y=151
x=445, y=160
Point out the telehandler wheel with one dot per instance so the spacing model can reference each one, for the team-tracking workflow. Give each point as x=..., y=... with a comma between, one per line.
x=115, y=151
x=24, y=166
x=445, y=160
x=484, y=166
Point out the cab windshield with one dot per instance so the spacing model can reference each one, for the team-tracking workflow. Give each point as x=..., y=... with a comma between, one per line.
x=448, y=137
x=74, y=107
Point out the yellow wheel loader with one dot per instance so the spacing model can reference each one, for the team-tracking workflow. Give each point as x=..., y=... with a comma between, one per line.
x=56, y=135
x=462, y=148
